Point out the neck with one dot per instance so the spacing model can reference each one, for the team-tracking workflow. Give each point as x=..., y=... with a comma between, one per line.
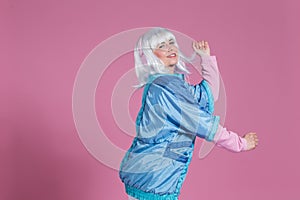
x=171, y=68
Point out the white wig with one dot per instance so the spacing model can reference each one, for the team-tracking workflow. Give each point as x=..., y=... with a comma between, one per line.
x=146, y=62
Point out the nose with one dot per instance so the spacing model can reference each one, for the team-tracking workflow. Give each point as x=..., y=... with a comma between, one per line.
x=169, y=47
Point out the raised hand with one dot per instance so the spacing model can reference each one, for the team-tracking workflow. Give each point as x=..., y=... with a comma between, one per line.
x=201, y=48
x=252, y=140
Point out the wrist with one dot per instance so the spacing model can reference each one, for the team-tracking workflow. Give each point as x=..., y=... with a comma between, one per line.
x=204, y=55
x=244, y=144
x=208, y=59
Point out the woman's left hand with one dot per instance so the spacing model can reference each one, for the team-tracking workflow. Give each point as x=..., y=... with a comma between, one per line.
x=252, y=140
x=201, y=48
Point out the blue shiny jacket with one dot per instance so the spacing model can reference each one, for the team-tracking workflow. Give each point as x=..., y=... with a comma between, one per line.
x=172, y=114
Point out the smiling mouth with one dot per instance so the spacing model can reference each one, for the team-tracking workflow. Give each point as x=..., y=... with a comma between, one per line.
x=173, y=55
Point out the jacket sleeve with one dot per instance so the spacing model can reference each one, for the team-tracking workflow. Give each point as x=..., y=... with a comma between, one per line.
x=203, y=95
x=180, y=109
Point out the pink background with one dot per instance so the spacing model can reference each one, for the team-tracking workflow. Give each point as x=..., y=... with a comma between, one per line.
x=43, y=44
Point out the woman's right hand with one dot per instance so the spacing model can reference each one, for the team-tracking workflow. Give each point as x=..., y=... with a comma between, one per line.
x=201, y=48
x=252, y=140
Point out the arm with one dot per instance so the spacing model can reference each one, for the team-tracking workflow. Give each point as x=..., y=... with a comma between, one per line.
x=176, y=106
x=210, y=71
x=230, y=140
x=203, y=95
x=233, y=142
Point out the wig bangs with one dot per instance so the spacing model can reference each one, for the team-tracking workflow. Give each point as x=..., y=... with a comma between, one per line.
x=159, y=37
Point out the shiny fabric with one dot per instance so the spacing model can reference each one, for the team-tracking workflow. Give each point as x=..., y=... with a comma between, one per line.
x=131, y=198
x=172, y=115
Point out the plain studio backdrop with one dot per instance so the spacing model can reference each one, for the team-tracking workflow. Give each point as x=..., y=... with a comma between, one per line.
x=43, y=44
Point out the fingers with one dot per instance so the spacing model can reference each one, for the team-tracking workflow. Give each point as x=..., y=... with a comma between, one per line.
x=200, y=44
x=252, y=140
x=201, y=48
x=204, y=44
x=195, y=45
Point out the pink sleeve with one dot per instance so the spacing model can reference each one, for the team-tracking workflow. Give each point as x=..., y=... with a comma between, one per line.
x=230, y=140
x=210, y=73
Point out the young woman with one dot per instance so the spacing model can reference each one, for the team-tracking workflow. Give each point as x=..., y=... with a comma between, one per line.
x=172, y=115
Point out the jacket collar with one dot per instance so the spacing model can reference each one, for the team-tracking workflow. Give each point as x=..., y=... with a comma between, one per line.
x=154, y=76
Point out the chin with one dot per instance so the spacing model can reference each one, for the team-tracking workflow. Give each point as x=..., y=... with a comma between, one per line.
x=173, y=63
